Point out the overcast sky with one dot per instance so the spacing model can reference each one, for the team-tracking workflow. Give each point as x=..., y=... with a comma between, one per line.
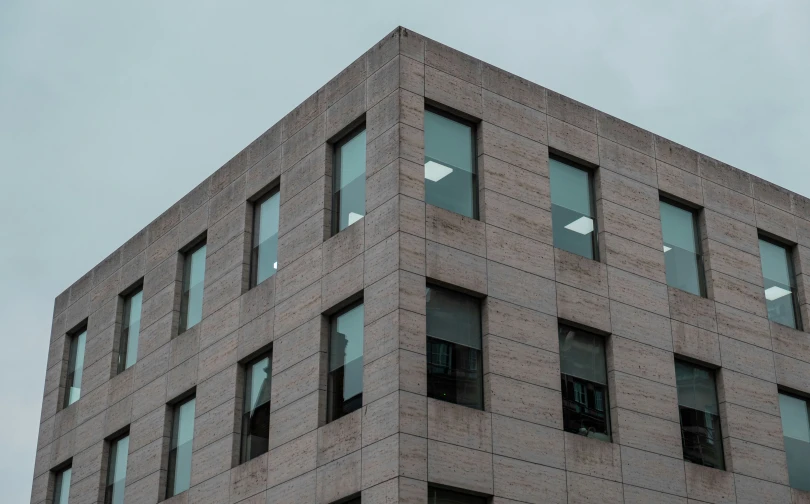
x=111, y=111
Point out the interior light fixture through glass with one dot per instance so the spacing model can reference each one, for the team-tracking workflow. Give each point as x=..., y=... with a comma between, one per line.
x=773, y=293
x=583, y=226
x=436, y=171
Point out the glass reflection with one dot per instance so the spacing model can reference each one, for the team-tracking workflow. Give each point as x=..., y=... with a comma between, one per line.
x=346, y=363
x=265, y=238
x=572, y=218
x=350, y=181
x=256, y=409
x=130, y=330
x=61, y=490
x=179, y=476
x=681, y=250
x=75, y=368
x=780, y=287
x=700, y=415
x=796, y=432
x=193, y=282
x=586, y=410
x=450, y=174
x=117, y=471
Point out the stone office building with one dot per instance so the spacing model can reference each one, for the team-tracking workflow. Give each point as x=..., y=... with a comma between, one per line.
x=436, y=282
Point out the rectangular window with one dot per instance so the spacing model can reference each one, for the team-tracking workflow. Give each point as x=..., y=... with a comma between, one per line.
x=130, y=330
x=572, y=216
x=454, y=361
x=450, y=172
x=780, y=284
x=117, y=471
x=193, y=282
x=256, y=408
x=796, y=431
x=684, y=267
x=265, y=238
x=442, y=496
x=586, y=410
x=345, y=387
x=179, y=475
x=700, y=415
x=61, y=489
x=73, y=387
x=349, y=199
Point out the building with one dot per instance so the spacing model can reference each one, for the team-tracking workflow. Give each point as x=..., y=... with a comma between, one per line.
x=434, y=281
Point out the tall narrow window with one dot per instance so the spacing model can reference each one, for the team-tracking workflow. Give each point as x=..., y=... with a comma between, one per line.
x=179, y=476
x=442, y=496
x=684, y=266
x=193, y=282
x=61, y=489
x=450, y=172
x=346, y=362
x=572, y=215
x=700, y=416
x=454, y=361
x=780, y=284
x=73, y=387
x=265, y=238
x=586, y=410
x=349, y=201
x=117, y=471
x=796, y=432
x=256, y=408
x=130, y=330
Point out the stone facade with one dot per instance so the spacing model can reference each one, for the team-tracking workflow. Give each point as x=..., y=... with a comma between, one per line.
x=401, y=441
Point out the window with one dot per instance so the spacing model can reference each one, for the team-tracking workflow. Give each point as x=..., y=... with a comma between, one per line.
x=700, y=418
x=117, y=471
x=130, y=329
x=586, y=409
x=450, y=172
x=256, y=408
x=61, y=488
x=780, y=287
x=442, y=496
x=349, y=203
x=454, y=361
x=572, y=217
x=265, y=238
x=73, y=387
x=180, y=449
x=682, y=258
x=796, y=431
x=193, y=281
x=346, y=362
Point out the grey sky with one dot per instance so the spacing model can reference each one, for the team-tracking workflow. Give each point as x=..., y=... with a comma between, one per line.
x=111, y=111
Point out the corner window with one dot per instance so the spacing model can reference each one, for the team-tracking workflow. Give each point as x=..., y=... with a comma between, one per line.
x=349, y=192
x=130, y=330
x=61, y=489
x=684, y=267
x=454, y=361
x=572, y=217
x=451, y=181
x=117, y=471
x=780, y=284
x=442, y=496
x=700, y=415
x=796, y=432
x=73, y=386
x=586, y=410
x=345, y=386
x=256, y=408
x=193, y=283
x=264, y=259
x=179, y=476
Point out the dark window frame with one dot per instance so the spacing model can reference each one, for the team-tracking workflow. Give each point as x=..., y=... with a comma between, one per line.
x=789, y=252
x=457, y=493
x=126, y=298
x=112, y=446
x=58, y=480
x=713, y=371
x=330, y=411
x=187, y=253
x=591, y=195
x=473, y=145
x=246, y=367
x=695, y=212
x=71, y=337
x=336, y=146
x=254, y=252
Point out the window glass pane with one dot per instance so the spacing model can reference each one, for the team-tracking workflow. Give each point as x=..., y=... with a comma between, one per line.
x=256, y=409
x=130, y=330
x=586, y=410
x=454, y=359
x=572, y=218
x=346, y=363
x=796, y=431
x=582, y=354
x=61, y=490
x=117, y=471
x=75, y=368
x=351, y=181
x=193, y=282
x=450, y=176
x=180, y=453
x=699, y=413
x=681, y=252
x=441, y=496
x=779, y=290
x=265, y=238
